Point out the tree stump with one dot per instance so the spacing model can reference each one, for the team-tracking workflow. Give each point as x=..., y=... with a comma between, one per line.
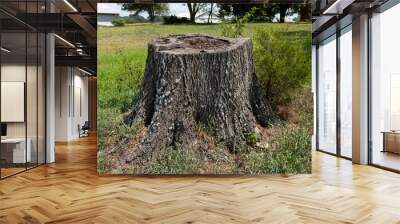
x=192, y=79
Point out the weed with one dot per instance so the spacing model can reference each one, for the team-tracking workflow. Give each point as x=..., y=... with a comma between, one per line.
x=291, y=153
x=174, y=160
x=251, y=138
x=101, y=162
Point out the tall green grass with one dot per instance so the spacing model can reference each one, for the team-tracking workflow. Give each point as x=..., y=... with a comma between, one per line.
x=120, y=75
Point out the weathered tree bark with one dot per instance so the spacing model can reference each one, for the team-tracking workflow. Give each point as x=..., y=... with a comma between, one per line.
x=191, y=79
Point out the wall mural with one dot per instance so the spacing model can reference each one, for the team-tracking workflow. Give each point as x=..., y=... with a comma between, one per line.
x=226, y=95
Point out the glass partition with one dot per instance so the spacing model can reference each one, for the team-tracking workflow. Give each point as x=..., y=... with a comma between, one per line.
x=385, y=89
x=13, y=94
x=22, y=101
x=327, y=95
x=346, y=92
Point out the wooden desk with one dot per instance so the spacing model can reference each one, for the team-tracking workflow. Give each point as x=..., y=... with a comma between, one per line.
x=391, y=141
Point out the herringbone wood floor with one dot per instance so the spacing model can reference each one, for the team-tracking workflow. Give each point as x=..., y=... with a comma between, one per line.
x=70, y=191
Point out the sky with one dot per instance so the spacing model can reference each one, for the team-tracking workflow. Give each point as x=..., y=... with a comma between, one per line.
x=178, y=9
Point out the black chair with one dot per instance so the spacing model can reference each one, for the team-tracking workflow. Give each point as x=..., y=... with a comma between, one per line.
x=84, y=130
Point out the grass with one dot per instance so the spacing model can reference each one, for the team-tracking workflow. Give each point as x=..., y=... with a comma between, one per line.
x=174, y=161
x=120, y=74
x=122, y=53
x=136, y=36
x=290, y=154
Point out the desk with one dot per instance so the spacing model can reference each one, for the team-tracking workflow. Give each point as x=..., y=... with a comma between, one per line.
x=391, y=141
x=13, y=150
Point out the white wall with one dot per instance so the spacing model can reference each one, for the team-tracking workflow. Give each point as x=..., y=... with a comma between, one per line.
x=62, y=82
x=16, y=73
x=33, y=126
x=13, y=72
x=9, y=73
x=71, y=87
x=82, y=83
x=81, y=88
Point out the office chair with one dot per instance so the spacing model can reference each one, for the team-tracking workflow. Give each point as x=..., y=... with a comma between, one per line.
x=84, y=130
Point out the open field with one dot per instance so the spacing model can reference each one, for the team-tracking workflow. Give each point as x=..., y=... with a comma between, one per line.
x=123, y=50
x=136, y=36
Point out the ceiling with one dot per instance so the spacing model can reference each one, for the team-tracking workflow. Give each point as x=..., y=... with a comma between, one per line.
x=217, y=1
x=74, y=22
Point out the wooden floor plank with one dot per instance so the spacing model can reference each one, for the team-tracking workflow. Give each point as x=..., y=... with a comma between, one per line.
x=70, y=191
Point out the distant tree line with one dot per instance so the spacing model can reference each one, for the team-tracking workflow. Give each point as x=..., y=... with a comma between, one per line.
x=267, y=12
x=254, y=12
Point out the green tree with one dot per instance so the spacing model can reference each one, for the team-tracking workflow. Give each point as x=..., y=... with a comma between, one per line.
x=253, y=12
x=283, y=9
x=118, y=21
x=283, y=64
x=304, y=11
x=194, y=9
x=260, y=14
x=152, y=9
x=266, y=13
x=209, y=10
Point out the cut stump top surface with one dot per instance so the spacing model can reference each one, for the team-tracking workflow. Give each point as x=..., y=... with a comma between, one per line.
x=195, y=43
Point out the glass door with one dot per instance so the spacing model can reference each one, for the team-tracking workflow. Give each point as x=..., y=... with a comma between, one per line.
x=326, y=99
